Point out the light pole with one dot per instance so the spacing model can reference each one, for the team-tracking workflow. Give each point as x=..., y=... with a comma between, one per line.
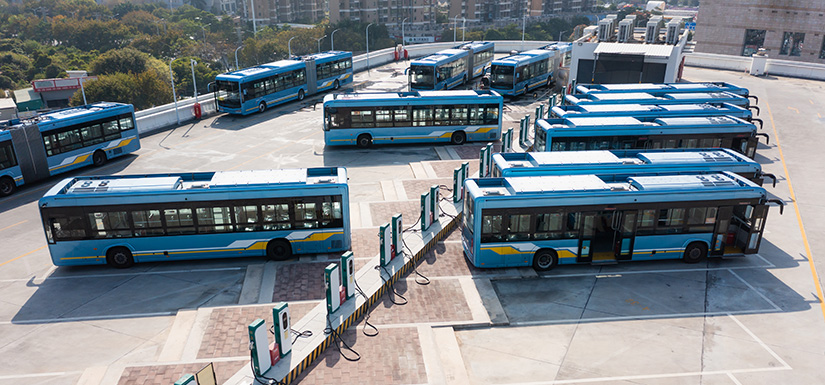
x=463, y=27
x=403, y=43
x=203, y=28
x=523, y=23
x=289, y=45
x=174, y=96
x=193, y=63
x=561, y=34
x=254, y=26
x=455, y=25
x=332, y=40
x=236, y=57
x=319, y=43
x=368, y=46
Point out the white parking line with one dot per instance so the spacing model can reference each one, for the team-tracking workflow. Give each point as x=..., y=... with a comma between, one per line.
x=764, y=346
x=34, y=375
x=639, y=317
x=88, y=318
x=84, y=276
x=756, y=291
x=650, y=376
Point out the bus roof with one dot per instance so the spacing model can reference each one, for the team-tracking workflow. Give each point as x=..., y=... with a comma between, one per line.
x=618, y=122
x=618, y=157
x=324, y=56
x=476, y=45
x=91, y=186
x=644, y=87
x=631, y=108
x=561, y=185
x=440, y=56
x=73, y=113
x=259, y=70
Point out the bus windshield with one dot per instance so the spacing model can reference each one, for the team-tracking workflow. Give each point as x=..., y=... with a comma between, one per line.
x=502, y=76
x=228, y=95
x=421, y=76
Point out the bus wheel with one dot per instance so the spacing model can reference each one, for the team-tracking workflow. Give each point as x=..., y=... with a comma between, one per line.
x=99, y=158
x=301, y=94
x=119, y=257
x=459, y=137
x=695, y=252
x=545, y=259
x=336, y=85
x=278, y=249
x=262, y=107
x=364, y=141
x=6, y=186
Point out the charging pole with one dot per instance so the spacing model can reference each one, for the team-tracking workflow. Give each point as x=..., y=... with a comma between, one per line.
x=280, y=314
x=426, y=211
x=187, y=379
x=434, y=195
x=332, y=282
x=459, y=176
x=259, y=345
x=396, y=234
x=384, y=239
x=348, y=274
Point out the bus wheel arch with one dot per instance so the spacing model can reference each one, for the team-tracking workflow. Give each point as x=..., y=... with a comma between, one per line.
x=99, y=158
x=336, y=85
x=119, y=257
x=262, y=107
x=278, y=249
x=695, y=252
x=458, y=138
x=7, y=185
x=301, y=94
x=364, y=140
x=545, y=259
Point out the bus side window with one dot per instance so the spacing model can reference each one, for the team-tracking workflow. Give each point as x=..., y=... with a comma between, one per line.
x=491, y=228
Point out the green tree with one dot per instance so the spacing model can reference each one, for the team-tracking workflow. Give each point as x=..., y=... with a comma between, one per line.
x=119, y=87
x=126, y=60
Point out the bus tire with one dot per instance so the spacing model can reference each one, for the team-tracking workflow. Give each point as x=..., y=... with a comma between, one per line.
x=458, y=138
x=99, y=158
x=364, y=141
x=7, y=186
x=119, y=258
x=278, y=249
x=336, y=85
x=301, y=94
x=262, y=107
x=695, y=252
x=545, y=259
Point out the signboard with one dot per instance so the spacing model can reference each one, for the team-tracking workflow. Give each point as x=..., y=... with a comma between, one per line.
x=691, y=26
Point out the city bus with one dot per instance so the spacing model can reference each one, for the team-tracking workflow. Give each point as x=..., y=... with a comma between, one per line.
x=647, y=98
x=654, y=110
x=481, y=55
x=121, y=220
x=624, y=133
x=63, y=140
x=620, y=164
x=442, y=70
x=669, y=88
x=543, y=221
x=364, y=119
x=257, y=88
x=521, y=73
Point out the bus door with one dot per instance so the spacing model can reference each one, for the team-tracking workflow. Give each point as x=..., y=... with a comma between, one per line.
x=599, y=237
x=746, y=228
x=745, y=145
x=720, y=232
x=625, y=226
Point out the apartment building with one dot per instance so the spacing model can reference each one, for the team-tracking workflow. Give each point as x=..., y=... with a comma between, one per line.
x=267, y=12
x=389, y=12
x=492, y=10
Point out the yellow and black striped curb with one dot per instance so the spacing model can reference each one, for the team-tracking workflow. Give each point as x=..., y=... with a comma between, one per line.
x=365, y=307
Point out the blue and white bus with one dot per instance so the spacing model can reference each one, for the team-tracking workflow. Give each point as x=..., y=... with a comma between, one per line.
x=125, y=219
x=646, y=98
x=620, y=164
x=654, y=110
x=521, y=73
x=668, y=88
x=625, y=133
x=544, y=221
x=364, y=119
x=480, y=57
x=442, y=70
x=257, y=88
x=63, y=140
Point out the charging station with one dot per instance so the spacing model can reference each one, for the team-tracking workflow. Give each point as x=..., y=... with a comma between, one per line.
x=397, y=229
x=507, y=140
x=435, y=207
x=426, y=211
x=348, y=274
x=459, y=176
x=283, y=337
x=385, y=240
x=482, y=165
x=259, y=345
x=332, y=283
x=187, y=379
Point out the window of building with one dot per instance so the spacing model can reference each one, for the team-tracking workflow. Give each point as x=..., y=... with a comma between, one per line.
x=754, y=39
x=792, y=43
x=822, y=49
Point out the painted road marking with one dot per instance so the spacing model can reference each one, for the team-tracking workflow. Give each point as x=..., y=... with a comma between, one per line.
x=798, y=215
x=159, y=272
x=792, y=109
x=18, y=223
x=30, y=252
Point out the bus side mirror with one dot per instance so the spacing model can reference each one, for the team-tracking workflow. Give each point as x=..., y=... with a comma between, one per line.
x=406, y=70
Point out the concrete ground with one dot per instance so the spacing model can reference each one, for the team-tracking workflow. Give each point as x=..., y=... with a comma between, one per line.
x=748, y=320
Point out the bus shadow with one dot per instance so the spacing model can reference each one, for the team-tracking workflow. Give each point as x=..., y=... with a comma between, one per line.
x=32, y=192
x=145, y=290
x=377, y=155
x=239, y=122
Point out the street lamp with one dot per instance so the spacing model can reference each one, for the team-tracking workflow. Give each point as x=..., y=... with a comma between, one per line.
x=523, y=23
x=319, y=42
x=368, y=46
x=174, y=96
x=289, y=45
x=455, y=24
x=254, y=26
x=463, y=27
x=203, y=28
x=193, y=63
x=332, y=40
x=236, y=57
x=561, y=34
x=403, y=43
